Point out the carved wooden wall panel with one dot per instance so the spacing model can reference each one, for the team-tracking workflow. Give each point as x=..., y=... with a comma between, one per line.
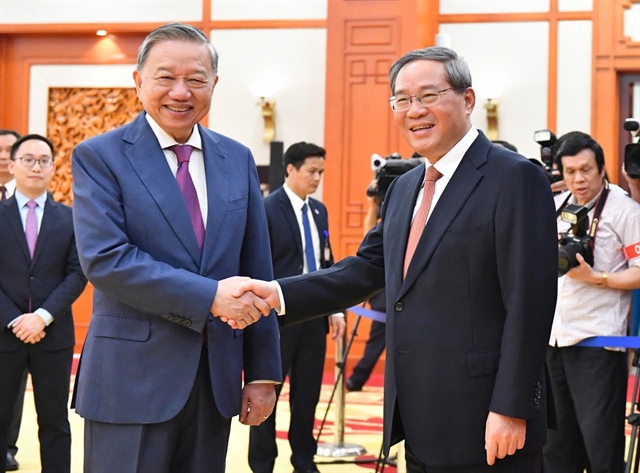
x=75, y=114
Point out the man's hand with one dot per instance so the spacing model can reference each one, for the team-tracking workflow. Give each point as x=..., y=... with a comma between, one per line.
x=258, y=401
x=29, y=328
x=241, y=310
x=266, y=290
x=583, y=272
x=338, y=326
x=503, y=436
x=558, y=186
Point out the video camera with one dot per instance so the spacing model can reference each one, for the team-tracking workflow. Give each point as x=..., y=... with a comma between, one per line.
x=576, y=240
x=546, y=139
x=386, y=170
x=632, y=150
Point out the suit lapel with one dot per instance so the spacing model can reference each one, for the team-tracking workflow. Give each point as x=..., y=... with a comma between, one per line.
x=15, y=224
x=460, y=187
x=148, y=161
x=290, y=216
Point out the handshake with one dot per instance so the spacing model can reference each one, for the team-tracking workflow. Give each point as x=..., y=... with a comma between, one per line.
x=241, y=301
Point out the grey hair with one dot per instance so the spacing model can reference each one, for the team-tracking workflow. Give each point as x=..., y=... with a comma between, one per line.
x=176, y=32
x=456, y=69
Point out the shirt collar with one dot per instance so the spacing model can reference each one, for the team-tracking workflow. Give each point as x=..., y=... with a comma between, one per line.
x=166, y=141
x=296, y=201
x=22, y=199
x=448, y=164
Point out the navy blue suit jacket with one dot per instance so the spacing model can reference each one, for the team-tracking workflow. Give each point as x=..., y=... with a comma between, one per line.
x=467, y=330
x=153, y=289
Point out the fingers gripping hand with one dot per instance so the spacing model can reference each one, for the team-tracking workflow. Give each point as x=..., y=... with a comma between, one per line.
x=241, y=310
x=503, y=436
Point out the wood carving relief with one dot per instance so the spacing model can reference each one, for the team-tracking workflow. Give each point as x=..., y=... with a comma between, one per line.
x=75, y=114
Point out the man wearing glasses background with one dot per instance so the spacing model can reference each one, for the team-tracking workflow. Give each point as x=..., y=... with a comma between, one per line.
x=470, y=299
x=40, y=278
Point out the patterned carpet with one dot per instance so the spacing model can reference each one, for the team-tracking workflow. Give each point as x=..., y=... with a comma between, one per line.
x=363, y=427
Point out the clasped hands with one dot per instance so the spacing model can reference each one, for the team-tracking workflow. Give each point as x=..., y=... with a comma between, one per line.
x=29, y=328
x=241, y=301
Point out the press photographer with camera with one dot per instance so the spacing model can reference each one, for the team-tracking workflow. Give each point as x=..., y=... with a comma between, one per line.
x=599, y=265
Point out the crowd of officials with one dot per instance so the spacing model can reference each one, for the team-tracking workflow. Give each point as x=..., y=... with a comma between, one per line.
x=207, y=296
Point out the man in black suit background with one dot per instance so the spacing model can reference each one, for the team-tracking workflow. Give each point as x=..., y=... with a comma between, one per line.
x=470, y=299
x=40, y=277
x=7, y=188
x=294, y=217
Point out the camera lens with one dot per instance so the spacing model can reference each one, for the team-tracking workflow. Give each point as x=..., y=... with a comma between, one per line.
x=567, y=257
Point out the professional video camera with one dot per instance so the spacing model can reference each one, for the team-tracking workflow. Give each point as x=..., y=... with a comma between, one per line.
x=386, y=170
x=575, y=240
x=546, y=139
x=632, y=150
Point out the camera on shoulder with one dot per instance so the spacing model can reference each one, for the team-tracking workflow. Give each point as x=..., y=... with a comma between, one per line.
x=546, y=139
x=632, y=150
x=386, y=170
x=576, y=240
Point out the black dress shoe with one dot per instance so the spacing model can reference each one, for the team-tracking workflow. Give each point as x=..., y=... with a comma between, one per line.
x=351, y=386
x=12, y=463
x=311, y=470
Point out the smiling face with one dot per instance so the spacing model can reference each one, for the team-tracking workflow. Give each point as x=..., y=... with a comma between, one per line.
x=175, y=86
x=432, y=130
x=32, y=181
x=580, y=173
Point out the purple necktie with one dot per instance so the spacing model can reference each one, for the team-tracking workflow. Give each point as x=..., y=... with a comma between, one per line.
x=31, y=226
x=183, y=153
x=3, y=193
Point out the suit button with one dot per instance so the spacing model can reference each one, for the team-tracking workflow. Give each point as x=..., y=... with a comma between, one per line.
x=399, y=306
x=187, y=323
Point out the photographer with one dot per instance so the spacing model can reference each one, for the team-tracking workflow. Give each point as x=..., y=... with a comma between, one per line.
x=589, y=384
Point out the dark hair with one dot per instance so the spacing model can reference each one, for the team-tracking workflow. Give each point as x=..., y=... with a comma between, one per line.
x=32, y=136
x=10, y=132
x=176, y=32
x=505, y=144
x=297, y=153
x=572, y=143
x=456, y=69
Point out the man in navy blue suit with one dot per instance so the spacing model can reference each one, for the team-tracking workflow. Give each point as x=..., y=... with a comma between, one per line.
x=303, y=346
x=40, y=278
x=168, y=214
x=471, y=288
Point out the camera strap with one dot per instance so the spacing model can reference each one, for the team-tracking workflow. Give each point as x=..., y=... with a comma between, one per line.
x=599, y=205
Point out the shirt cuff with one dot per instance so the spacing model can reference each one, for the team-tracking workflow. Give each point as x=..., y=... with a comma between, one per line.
x=264, y=381
x=281, y=309
x=338, y=314
x=44, y=314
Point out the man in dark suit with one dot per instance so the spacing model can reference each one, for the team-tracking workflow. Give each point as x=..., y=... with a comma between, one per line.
x=162, y=230
x=40, y=277
x=469, y=314
x=302, y=346
x=7, y=188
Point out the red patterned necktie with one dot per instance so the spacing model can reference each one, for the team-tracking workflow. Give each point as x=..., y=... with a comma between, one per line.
x=420, y=219
x=183, y=153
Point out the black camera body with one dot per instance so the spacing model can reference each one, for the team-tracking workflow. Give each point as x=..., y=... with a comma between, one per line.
x=632, y=150
x=546, y=139
x=575, y=241
x=386, y=170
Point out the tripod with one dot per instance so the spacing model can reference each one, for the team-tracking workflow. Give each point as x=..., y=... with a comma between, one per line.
x=633, y=459
x=340, y=449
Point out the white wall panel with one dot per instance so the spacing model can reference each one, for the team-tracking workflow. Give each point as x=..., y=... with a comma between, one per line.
x=99, y=11
x=493, y=6
x=508, y=61
x=574, y=77
x=45, y=76
x=632, y=22
x=268, y=9
x=294, y=60
x=575, y=5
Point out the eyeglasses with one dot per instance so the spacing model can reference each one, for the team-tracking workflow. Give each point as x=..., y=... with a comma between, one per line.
x=400, y=103
x=30, y=161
